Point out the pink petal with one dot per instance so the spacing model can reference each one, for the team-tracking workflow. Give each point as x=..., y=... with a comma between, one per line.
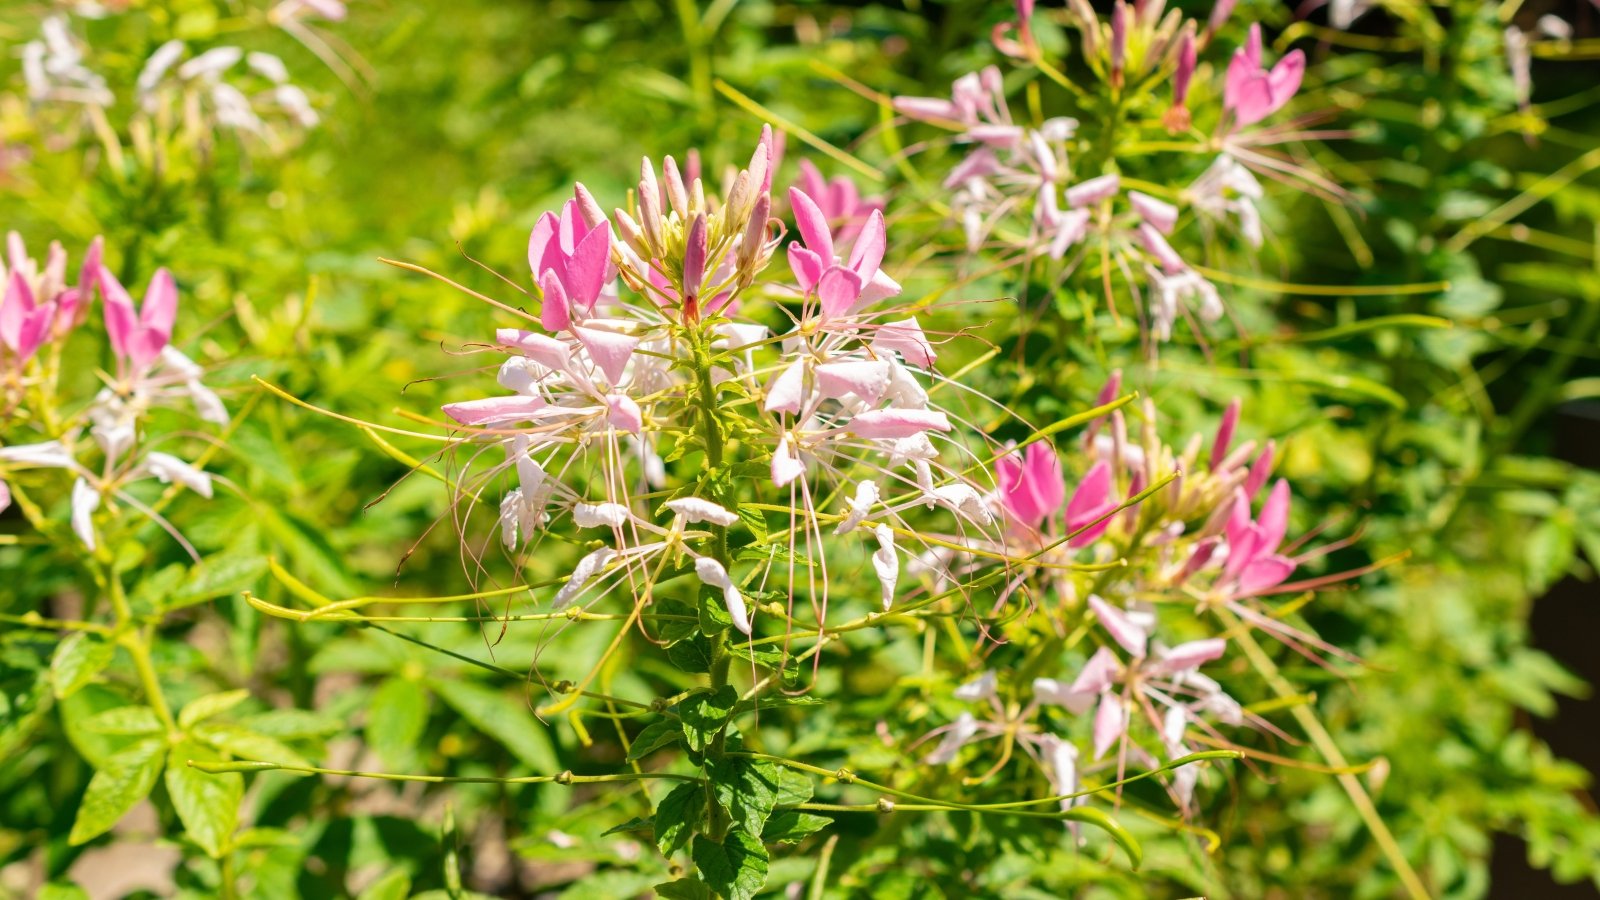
x=694, y=257
x=1274, y=520
x=14, y=310
x=1230, y=420
x=867, y=254
x=585, y=274
x=893, y=424
x=541, y=348
x=906, y=338
x=610, y=350
x=1163, y=216
x=813, y=225
x=807, y=266
x=1122, y=629
x=1044, y=470
x=1192, y=654
x=540, y=243
x=1110, y=723
x=811, y=181
x=121, y=321
x=623, y=413
x=1098, y=674
x=786, y=466
x=160, y=309
x=1093, y=493
x=555, y=312
x=1093, y=191
x=1264, y=574
x=1285, y=77
x=838, y=289
x=495, y=410
x=1260, y=470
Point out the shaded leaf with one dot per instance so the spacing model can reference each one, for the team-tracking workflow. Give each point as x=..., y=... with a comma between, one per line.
x=735, y=868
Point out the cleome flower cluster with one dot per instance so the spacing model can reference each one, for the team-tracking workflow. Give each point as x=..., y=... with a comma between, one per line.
x=103, y=445
x=1096, y=194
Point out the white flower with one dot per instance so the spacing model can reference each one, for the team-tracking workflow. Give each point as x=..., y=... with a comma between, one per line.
x=168, y=469
x=694, y=509
x=712, y=573
x=85, y=500
x=886, y=563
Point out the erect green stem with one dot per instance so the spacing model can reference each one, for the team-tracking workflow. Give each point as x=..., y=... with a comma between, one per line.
x=136, y=640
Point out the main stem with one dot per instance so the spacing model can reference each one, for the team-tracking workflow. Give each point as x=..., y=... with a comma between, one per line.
x=712, y=488
x=136, y=640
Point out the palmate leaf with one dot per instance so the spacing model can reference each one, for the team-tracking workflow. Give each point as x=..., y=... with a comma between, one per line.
x=124, y=780
x=208, y=805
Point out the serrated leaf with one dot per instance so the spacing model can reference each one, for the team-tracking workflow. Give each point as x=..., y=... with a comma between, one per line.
x=704, y=713
x=735, y=868
x=124, y=720
x=747, y=788
x=794, y=788
x=683, y=889
x=242, y=743
x=755, y=520
x=201, y=708
x=679, y=815
x=655, y=736
x=693, y=654
x=508, y=721
x=77, y=660
x=208, y=805
x=124, y=780
x=397, y=714
x=792, y=826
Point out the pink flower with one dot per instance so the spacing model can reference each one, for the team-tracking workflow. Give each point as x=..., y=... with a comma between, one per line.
x=840, y=201
x=1031, y=485
x=571, y=260
x=1092, y=502
x=1254, y=564
x=24, y=322
x=840, y=288
x=1252, y=92
x=138, y=338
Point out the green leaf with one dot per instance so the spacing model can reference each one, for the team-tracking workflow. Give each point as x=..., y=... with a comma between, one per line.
x=792, y=826
x=503, y=718
x=77, y=660
x=655, y=736
x=794, y=788
x=674, y=630
x=714, y=617
x=679, y=815
x=61, y=892
x=124, y=720
x=218, y=576
x=755, y=520
x=394, y=885
x=747, y=788
x=704, y=713
x=735, y=868
x=692, y=654
x=683, y=889
x=770, y=658
x=242, y=743
x=763, y=703
x=126, y=778
x=291, y=724
x=632, y=825
x=208, y=805
x=24, y=699
x=397, y=714
x=202, y=708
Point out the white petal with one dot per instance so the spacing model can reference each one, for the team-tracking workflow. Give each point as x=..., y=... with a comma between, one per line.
x=694, y=509
x=887, y=564
x=85, y=500
x=582, y=574
x=960, y=732
x=980, y=688
x=168, y=469
x=596, y=515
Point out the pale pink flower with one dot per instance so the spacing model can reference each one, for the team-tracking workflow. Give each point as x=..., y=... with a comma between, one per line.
x=1251, y=91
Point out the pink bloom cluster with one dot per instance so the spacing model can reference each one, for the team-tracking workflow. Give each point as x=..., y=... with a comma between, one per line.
x=641, y=326
x=40, y=310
